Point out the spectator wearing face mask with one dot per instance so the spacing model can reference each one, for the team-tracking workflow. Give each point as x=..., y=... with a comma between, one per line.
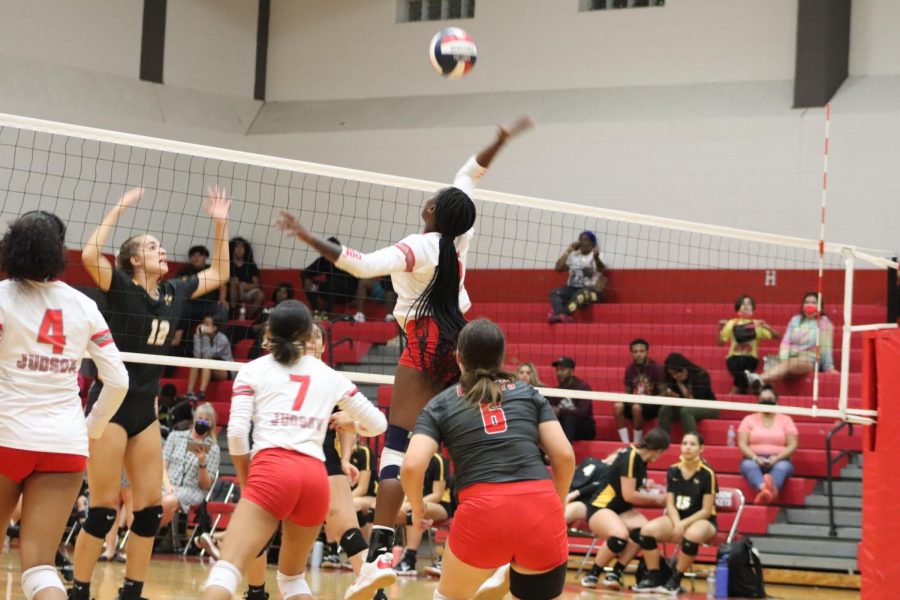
x=191, y=460
x=767, y=441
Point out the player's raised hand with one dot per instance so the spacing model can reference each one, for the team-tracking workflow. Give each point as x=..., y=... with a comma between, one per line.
x=523, y=123
x=217, y=203
x=130, y=197
x=290, y=225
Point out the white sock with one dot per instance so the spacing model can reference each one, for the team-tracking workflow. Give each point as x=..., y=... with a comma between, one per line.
x=623, y=434
x=638, y=435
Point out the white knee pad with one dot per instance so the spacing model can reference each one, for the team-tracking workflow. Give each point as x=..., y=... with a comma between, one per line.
x=224, y=575
x=292, y=585
x=39, y=578
x=390, y=463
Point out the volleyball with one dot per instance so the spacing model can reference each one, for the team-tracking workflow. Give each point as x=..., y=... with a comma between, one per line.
x=452, y=52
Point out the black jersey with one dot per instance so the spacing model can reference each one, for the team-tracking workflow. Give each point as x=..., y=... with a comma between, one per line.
x=489, y=444
x=589, y=476
x=141, y=324
x=436, y=471
x=362, y=460
x=689, y=492
x=628, y=463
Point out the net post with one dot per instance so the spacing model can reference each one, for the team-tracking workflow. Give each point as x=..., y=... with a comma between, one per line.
x=849, y=269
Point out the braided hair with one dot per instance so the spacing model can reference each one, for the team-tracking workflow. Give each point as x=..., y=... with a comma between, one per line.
x=454, y=214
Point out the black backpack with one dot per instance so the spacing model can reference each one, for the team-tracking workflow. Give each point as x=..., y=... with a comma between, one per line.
x=745, y=571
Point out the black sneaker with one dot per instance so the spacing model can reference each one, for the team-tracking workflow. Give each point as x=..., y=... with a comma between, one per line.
x=672, y=587
x=434, y=570
x=589, y=581
x=653, y=582
x=331, y=561
x=612, y=581
x=119, y=595
x=406, y=568
x=255, y=596
x=380, y=595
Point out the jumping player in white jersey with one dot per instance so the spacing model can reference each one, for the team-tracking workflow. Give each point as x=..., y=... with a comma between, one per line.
x=143, y=311
x=289, y=397
x=428, y=273
x=45, y=329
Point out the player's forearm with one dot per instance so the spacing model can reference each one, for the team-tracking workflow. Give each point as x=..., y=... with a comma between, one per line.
x=220, y=263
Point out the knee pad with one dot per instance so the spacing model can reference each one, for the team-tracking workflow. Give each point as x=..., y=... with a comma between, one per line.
x=635, y=535
x=689, y=548
x=616, y=544
x=99, y=521
x=648, y=542
x=540, y=586
x=353, y=542
x=362, y=518
x=224, y=575
x=40, y=578
x=390, y=463
x=146, y=521
x=292, y=585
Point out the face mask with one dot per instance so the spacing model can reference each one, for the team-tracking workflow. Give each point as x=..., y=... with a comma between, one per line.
x=810, y=310
x=201, y=427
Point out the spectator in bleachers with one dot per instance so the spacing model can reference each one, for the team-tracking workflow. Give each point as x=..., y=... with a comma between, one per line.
x=586, y=280
x=326, y=285
x=797, y=354
x=212, y=303
x=243, y=287
x=209, y=343
x=767, y=441
x=684, y=379
x=643, y=377
x=439, y=506
x=380, y=289
x=576, y=416
x=191, y=460
x=743, y=333
x=526, y=372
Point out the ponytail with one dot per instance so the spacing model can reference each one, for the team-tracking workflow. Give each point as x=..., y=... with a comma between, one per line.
x=284, y=351
x=484, y=386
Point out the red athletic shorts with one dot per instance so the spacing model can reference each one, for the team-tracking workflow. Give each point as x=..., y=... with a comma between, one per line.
x=288, y=485
x=521, y=522
x=17, y=464
x=424, y=362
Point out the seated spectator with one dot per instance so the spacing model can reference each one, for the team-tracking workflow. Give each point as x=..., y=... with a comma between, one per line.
x=380, y=290
x=209, y=343
x=767, y=441
x=214, y=303
x=439, y=506
x=643, y=377
x=284, y=291
x=191, y=461
x=743, y=333
x=576, y=416
x=526, y=372
x=684, y=379
x=797, y=354
x=326, y=285
x=245, y=297
x=586, y=281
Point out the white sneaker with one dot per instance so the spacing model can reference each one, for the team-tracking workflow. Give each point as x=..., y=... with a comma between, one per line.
x=208, y=543
x=372, y=576
x=495, y=587
x=359, y=317
x=389, y=318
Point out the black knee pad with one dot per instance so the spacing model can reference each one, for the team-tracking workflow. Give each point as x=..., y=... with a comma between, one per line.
x=146, y=521
x=353, y=542
x=635, y=535
x=361, y=518
x=99, y=521
x=689, y=548
x=538, y=587
x=616, y=544
x=648, y=542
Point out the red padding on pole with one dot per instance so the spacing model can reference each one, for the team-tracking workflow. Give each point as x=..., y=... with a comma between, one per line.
x=880, y=517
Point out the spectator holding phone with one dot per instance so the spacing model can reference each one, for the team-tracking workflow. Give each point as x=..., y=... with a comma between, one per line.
x=585, y=283
x=191, y=461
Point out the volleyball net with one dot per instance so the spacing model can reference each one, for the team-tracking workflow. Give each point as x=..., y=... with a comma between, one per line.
x=669, y=282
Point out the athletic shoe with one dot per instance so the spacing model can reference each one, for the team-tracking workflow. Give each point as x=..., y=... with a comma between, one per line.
x=495, y=587
x=65, y=567
x=262, y=596
x=372, y=576
x=389, y=318
x=331, y=561
x=754, y=381
x=589, y=581
x=434, y=570
x=672, y=587
x=359, y=317
x=208, y=543
x=653, y=582
x=770, y=485
x=552, y=318
x=763, y=497
x=612, y=581
x=406, y=568
x=380, y=595
x=119, y=596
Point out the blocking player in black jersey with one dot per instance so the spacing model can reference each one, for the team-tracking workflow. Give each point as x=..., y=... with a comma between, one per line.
x=690, y=516
x=510, y=511
x=438, y=498
x=611, y=513
x=143, y=311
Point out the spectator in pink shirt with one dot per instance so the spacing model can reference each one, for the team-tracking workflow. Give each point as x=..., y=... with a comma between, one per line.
x=767, y=441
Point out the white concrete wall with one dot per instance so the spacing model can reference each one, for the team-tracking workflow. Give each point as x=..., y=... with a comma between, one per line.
x=874, y=42
x=355, y=48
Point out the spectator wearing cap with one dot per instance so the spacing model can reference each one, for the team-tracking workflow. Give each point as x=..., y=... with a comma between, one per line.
x=575, y=415
x=213, y=303
x=643, y=377
x=585, y=283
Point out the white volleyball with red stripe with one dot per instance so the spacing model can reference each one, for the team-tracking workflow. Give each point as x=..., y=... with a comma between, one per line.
x=452, y=52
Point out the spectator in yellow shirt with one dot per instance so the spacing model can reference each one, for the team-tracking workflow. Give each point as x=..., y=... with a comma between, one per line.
x=743, y=333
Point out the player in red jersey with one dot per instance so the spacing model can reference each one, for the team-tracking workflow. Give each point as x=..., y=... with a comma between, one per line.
x=46, y=327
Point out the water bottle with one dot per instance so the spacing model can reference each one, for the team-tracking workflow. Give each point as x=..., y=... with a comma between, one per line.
x=730, y=440
x=711, y=585
x=722, y=577
x=318, y=550
x=243, y=315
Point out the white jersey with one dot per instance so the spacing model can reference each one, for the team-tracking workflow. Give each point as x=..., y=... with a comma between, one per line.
x=411, y=261
x=290, y=406
x=45, y=330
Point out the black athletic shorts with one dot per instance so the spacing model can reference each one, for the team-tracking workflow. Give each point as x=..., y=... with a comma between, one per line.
x=135, y=415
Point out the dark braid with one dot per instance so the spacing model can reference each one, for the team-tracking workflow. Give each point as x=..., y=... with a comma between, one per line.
x=454, y=214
